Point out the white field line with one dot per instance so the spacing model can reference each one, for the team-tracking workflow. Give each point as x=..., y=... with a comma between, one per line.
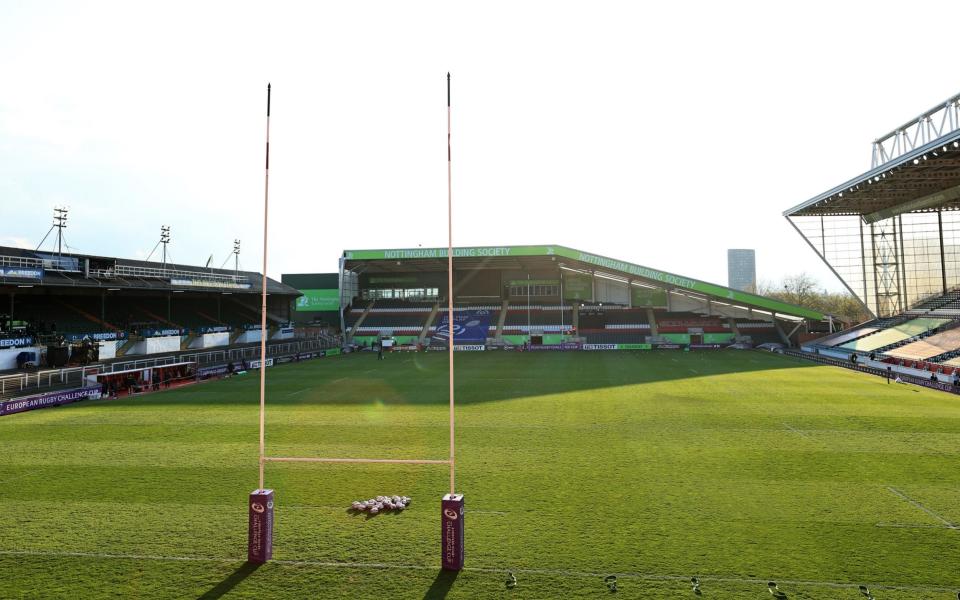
x=338, y=380
x=795, y=430
x=481, y=569
x=907, y=498
x=912, y=526
x=694, y=371
x=347, y=508
x=298, y=392
x=393, y=461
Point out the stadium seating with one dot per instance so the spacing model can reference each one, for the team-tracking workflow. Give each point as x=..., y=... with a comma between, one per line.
x=894, y=334
x=846, y=336
x=406, y=317
x=946, y=304
x=595, y=318
x=52, y=313
x=391, y=305
x=763, y=336
x=543, y=317
x=929, y=347
x=681, y=322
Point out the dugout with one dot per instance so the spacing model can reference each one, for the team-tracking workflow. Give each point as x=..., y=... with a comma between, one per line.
x=133, y=381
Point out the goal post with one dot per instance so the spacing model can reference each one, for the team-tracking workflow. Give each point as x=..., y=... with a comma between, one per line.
x=261, y=501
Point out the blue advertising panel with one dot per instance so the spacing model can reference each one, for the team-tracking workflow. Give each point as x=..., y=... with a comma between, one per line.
x=22, y=272
x=469, y=326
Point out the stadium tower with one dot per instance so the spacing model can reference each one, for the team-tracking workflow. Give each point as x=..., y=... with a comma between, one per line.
x=892, y=234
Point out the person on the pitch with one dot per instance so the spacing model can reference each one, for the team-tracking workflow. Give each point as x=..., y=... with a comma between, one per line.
x=380, y=350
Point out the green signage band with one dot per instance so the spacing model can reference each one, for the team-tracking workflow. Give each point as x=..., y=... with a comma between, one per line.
x=318, y=301
x=602, y=262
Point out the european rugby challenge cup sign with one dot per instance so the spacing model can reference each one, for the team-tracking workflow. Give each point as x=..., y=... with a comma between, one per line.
x=451, y=519
x=260, y=533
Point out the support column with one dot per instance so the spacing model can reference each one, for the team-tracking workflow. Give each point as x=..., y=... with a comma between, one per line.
x=863, y=262
x=903, y=295
x=943, y=261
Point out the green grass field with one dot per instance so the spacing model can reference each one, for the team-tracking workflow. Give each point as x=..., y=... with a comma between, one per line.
x=737, y=467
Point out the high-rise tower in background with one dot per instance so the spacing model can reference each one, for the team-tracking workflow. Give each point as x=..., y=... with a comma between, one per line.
x=742, y=270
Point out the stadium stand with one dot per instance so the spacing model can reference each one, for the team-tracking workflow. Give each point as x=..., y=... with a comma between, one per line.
x=56, y=300
x=615, y=299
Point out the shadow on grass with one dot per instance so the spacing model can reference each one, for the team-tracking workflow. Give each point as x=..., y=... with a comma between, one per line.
x=421, y=378
x=441, y=585
x=231, y=581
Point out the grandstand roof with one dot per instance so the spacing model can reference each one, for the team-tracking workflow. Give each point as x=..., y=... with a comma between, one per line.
x=82, y=271
x=926, y=178
x=533, y=257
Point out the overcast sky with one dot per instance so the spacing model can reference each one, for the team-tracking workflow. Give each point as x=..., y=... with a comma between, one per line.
x=661, y=134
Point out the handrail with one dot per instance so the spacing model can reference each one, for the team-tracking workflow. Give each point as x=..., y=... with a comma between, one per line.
x=51, y=377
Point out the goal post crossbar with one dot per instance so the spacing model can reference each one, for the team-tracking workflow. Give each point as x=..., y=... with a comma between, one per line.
x=400, y=461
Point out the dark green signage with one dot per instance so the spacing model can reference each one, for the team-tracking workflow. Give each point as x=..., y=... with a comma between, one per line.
x=577, y=287
x=651, y=297
x=318, y=300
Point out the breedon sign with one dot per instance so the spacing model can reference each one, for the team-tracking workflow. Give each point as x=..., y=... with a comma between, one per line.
x=601, y=262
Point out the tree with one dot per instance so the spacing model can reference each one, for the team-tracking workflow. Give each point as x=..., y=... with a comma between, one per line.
x=802, y=289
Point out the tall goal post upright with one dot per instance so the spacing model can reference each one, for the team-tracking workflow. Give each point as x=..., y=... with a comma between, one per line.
x=260, y=504
x=451, y=505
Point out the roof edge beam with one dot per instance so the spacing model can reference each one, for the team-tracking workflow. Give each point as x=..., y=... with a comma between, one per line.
x=928, y=201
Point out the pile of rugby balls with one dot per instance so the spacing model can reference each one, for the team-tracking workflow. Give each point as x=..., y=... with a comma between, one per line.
x=381, y=504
